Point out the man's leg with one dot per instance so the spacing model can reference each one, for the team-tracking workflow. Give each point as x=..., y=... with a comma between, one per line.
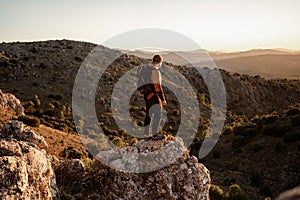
x=156, y=109
x=147, y=119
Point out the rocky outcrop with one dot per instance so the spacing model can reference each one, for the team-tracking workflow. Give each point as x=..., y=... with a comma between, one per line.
x=10, y=101
x=25, y=170
x=292, y=194
x=17, y=130
x=183, y=179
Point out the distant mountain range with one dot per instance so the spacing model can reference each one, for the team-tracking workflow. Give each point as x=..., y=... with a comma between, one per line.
x=268, y=63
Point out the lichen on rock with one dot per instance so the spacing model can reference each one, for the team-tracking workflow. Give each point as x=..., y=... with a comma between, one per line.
x=25, y=170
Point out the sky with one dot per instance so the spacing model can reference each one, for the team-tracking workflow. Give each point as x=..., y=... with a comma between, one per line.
x=231, y=25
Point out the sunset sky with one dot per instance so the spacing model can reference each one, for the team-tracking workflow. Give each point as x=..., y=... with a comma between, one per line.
x=213, y=24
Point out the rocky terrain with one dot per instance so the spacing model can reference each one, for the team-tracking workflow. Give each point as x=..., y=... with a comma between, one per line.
x=258, y=149
x=261, y=154
x=28, y=170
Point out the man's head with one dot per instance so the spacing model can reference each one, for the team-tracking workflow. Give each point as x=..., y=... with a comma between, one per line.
x=157, y=60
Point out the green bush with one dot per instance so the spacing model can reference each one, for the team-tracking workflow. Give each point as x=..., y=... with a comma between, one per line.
x=60, y=126
x=216, y=193
x=227, y=130
x=70, y=152
x=30, y=120
x=236, y=193
x=292, y=111
x=36, y=101
x=267, y=120
x=118, y=141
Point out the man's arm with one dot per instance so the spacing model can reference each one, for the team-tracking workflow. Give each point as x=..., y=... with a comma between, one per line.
x=156, y=78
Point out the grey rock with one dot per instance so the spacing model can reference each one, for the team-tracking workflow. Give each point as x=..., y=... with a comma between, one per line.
x=183, y=179
x=25, y=170
x=17, y=130
x=8, y=100
x=292, y=194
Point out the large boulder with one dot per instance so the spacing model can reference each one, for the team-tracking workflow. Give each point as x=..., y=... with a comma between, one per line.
x=19, y=131
x=8, y=100
x=25, y=170
x=183, y=179
x=292, y=194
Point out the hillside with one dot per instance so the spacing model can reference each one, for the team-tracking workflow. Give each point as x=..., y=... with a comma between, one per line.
x=261, y=154
x=42, y=163
x=49, y=68
x=259, y=128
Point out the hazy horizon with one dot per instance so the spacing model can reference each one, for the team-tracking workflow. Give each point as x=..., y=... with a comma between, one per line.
x=217, y=26
x=142, y=49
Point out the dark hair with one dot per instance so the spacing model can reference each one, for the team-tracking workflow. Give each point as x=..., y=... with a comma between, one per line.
x=157, y=59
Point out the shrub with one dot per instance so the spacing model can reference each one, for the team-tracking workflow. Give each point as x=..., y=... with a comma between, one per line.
x=70, y=152
x=118, y=141
x=292, y=111
x=47, y=123
x=36, y=101
x=227, y=130
x=216, y=193
x=56, y=104
x=60, y=126
x=267, y=120
x=133, y=141
x=236, y=193
x=30, y=120
x=38, y=113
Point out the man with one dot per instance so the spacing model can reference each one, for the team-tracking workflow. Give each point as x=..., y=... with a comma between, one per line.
x=155, y=99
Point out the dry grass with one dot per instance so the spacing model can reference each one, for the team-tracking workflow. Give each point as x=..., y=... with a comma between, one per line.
x=57, y=140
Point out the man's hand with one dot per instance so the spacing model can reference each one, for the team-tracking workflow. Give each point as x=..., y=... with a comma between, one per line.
x=163, y=103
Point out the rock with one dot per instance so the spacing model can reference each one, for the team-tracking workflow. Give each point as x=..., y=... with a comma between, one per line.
x=184, y=179
x=25, y=170
x=17, y=130
x=293, y=194
x=10, y=101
